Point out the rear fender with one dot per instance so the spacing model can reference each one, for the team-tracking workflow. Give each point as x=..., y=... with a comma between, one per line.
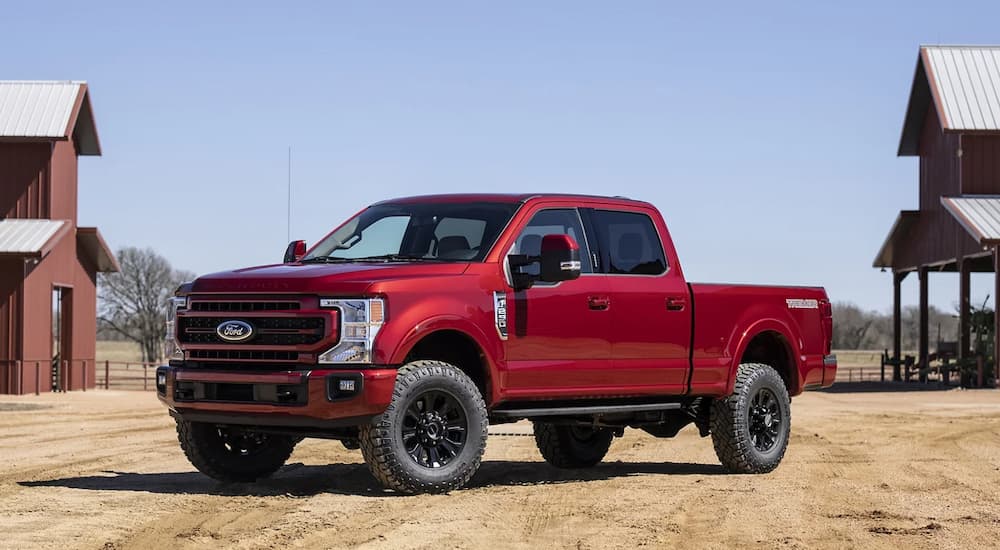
x=741, y=341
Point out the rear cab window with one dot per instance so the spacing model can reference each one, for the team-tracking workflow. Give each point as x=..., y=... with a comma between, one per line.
x=629, y=243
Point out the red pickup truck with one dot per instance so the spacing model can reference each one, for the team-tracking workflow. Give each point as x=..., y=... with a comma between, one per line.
x=420, y=321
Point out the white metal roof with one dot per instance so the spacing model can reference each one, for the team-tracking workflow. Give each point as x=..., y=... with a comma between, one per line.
x=45, y=109
x=979, y=215
x=28, y=237
x=966, y=80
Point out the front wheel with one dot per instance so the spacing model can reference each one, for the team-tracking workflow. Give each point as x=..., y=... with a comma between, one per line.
x=231, y=454
x=750, y=428
x=432, y=436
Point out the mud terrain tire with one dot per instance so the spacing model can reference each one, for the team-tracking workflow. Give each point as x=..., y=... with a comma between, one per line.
x=432, y=436
x=572, y=446
x=750, y=428
x=233, y=455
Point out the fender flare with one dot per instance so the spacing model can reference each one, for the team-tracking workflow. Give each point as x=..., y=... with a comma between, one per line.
x=458, y=324
x=792, y=348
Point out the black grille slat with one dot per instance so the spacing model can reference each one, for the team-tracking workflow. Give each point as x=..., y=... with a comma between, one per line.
x=244, y=355
x=273, y=331
x=243, y=306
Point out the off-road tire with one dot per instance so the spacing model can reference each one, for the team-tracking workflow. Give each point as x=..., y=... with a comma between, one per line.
x=572, y=446
x=205, y=447
x=731, y=421
x=382, y=440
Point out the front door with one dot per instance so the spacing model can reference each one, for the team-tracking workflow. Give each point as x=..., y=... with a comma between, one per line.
x=557, y=333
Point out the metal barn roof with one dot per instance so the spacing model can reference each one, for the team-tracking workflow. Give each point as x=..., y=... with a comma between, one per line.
x=964, y=84
x=48, y=110
x=979, y=215
x=30, y=237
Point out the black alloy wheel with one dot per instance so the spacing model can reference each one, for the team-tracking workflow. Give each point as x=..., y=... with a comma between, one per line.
x=434, y=429
x=764, y=419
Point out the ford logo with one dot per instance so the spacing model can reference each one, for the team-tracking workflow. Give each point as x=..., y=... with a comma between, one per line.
x=234, y=331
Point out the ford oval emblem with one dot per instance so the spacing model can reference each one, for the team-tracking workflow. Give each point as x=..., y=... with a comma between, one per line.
x=234, y=331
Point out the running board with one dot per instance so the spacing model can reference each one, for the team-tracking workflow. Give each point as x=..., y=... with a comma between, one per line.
x=585, y=409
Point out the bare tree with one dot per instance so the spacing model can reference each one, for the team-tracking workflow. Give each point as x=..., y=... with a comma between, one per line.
x=134, y=301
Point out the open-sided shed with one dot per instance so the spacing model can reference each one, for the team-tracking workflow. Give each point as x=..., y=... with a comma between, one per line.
x=953, y=125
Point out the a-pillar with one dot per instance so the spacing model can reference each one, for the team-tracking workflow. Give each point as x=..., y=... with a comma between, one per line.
x=897, y=324
x=924, y=322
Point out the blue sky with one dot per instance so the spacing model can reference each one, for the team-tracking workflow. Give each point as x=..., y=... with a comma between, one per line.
x=766, y=132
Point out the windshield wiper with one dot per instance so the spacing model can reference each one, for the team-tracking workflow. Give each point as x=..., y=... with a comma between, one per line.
x=399, y=258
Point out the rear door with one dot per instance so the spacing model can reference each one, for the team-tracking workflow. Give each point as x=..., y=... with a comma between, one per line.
x=558, y=334
x=650, y=302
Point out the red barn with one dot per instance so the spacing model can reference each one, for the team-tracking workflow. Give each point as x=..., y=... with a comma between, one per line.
x=952, y=124
x=48, y=265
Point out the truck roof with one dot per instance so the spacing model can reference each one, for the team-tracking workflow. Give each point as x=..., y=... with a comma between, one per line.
x=507, y=197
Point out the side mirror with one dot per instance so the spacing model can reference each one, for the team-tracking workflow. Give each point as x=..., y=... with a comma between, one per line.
x=560, y=258
x=295, y=251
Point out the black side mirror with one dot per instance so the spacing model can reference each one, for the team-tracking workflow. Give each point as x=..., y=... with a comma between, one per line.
x=295, y=251
x=560, y=258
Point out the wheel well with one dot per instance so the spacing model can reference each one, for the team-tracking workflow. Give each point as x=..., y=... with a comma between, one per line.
x=456, y=348
x=771, y=348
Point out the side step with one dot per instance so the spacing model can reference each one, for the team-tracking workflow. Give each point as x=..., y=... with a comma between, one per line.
x=584, y=409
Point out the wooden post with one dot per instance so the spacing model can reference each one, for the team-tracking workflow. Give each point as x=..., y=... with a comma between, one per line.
x=38, y=378
x=964, y=308
x=996, y=316
x=145, y=386
x=107, y=375
x=897, y=324
x=84, y=375
x=924, y=323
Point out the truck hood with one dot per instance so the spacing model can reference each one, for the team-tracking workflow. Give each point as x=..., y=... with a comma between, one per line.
x=351, y=278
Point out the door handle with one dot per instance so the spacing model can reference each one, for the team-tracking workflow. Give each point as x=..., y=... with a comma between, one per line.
x=676, y=304
x=598, y=303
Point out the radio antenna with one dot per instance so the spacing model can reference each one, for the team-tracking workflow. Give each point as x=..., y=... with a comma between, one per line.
x=289, y=215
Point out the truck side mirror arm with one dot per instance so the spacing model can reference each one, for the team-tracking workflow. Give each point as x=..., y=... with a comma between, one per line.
x=519, y=279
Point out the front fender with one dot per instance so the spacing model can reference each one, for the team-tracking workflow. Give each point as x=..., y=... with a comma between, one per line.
x=491, y=348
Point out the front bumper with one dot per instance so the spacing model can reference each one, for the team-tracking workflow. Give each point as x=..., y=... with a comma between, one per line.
x=313, y=399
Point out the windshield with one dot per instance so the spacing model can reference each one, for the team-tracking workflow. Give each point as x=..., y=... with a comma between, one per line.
x=417, y=231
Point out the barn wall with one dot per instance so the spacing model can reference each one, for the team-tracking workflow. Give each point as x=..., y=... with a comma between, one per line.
x=937, y=237
x=24, y=180
x=980, y=165
x=64, y=182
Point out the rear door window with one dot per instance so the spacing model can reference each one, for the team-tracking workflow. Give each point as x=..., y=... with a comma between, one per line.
x=628, y=242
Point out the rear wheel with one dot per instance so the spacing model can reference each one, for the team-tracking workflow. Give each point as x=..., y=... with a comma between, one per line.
x=230, y=454
x=432, y=436
x=566, y=446
x=750, y=428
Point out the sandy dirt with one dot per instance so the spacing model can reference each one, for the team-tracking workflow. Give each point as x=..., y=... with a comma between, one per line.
x=102, y=469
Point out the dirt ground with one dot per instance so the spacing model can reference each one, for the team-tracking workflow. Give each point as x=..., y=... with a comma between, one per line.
x=102, y=469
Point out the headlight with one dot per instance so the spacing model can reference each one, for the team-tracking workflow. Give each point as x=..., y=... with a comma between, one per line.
x=360, y=321
x=172, y=347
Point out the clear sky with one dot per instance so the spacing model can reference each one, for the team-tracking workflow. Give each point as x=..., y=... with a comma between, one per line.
x=766, y=132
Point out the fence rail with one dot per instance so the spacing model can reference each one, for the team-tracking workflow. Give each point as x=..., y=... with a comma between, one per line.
x=860, y=374
x=126, y=375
